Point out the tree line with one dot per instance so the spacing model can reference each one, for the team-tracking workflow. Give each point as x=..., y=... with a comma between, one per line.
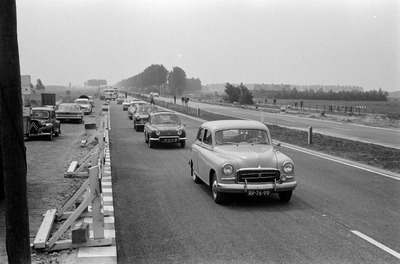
x=156, y=78
x=95, y=82
x=355, y=95
x=239, y=94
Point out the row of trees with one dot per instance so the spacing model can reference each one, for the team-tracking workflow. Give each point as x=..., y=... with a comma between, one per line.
x=95, y=82
x=157, y=78
x=355, y=95
x=238, y=94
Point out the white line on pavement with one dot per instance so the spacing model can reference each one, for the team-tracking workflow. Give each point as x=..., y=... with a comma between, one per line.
x=376, y=243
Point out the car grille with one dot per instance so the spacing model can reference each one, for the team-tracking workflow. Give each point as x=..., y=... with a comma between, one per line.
x=258, y=175
x=34, y=127
x=67, y=115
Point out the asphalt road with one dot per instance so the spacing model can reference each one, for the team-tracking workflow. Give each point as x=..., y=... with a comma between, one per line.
x=377, y=135
x=338, y=213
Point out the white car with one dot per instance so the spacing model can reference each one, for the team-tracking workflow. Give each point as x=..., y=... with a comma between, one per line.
x=85, y=105
x=126, y=103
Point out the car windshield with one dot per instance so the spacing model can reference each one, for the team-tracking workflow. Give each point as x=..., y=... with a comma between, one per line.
x=40, y=114
x=145, y=109
x=241, y=136
x=69, y=107
x=127, y=101
x=166, y=119
x=82, y=101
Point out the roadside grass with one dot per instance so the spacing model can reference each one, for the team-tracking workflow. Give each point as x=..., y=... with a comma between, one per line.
x=365, y=153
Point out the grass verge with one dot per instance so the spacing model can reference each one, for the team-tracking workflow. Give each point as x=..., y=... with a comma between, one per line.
x=365, y=153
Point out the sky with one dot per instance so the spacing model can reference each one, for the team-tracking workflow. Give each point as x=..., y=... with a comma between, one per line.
x=301, y=42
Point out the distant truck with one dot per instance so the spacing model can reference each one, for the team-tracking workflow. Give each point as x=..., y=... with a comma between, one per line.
x=108, y=92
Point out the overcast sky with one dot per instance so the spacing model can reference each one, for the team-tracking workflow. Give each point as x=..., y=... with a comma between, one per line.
x=340, y=42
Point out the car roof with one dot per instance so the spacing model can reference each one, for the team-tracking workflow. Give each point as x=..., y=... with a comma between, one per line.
x=43, y=108
x=234, y=124
x=68, y=104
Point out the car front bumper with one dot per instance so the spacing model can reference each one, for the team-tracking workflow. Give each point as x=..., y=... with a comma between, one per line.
x=166, y=139
x=243, y=188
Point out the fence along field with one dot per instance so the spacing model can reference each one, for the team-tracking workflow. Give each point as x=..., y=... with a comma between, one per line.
x=392, y=106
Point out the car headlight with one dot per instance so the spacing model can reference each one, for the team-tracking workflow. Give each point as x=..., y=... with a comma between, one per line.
x=227, y=169
x=138, y=118
x=158, y=132
x=179, y=131
x=287, y=167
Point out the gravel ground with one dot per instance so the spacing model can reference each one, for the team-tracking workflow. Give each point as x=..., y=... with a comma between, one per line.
x=47, y=188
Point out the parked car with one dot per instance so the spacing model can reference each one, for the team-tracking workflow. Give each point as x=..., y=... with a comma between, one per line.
x=69, y=112
x=132, y=107
x=43, y=122
x=125, y=104
x=120, y=99
x=141, y=114
x=164, y=127
x=85, y=105
x=238, y=156
x=156, y=94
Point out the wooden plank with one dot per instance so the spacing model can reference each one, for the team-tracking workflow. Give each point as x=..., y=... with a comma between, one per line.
x=72, y=167
x=44, y=230
x=73, y=198
x=67, y=244
x=71, y=220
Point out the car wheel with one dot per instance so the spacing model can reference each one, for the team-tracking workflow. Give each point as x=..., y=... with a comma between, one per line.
x=285, y=196
x=151, y=143
x=145, y=138
x=50, y=137
x=218, y=197
x=130, y=118
x=58, y=132
x=195, y=178
x=183, y=143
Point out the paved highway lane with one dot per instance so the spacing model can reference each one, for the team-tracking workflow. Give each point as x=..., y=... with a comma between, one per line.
x=163, y=216
x=380, y=136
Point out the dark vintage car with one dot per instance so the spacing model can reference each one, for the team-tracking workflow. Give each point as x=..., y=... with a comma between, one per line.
x=164, y=127
x=69, y=112
x=133, y=105
x=238, y=156
x=141, y=114
x=43, y=122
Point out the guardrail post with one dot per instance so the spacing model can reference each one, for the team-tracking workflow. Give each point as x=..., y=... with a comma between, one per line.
x=198, y=111
x=310, y=137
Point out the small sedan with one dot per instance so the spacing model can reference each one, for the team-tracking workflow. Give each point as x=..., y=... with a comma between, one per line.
x=141, y=114
x=164, y=127
x=133, y=106
x=125, y=104
x=85, y=105
x=238, y=156
x=69, y=112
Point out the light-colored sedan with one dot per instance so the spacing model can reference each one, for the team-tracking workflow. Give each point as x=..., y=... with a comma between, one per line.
x=238, y=156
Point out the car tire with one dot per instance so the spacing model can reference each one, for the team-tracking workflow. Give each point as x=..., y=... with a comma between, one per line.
x=151, y=143
x=218, y=197
x=285, y=196
x=58, y=132
x=50, y=137
x=195, y=178
x=145, y=138
x=183, y=143
x=130, y=118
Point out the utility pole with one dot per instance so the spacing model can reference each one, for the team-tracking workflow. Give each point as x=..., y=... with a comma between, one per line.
x=13, y=152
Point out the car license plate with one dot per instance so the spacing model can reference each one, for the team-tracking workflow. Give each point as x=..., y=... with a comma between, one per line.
x=258, y=193
x=168, y=140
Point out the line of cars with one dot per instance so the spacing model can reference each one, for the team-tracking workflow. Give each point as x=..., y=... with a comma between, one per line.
x=46, y=121
x=230, y=156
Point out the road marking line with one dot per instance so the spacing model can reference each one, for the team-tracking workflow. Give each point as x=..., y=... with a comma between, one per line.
x=341, y=162
x=288, y=120
x=376, y=243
